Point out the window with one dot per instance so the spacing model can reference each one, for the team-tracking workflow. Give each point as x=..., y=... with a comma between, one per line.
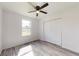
x=26, y=27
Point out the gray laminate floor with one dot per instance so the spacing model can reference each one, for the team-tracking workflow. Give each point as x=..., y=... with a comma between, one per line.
x=37, y=48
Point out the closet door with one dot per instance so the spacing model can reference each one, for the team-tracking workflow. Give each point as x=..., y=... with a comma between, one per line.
x=52, y=31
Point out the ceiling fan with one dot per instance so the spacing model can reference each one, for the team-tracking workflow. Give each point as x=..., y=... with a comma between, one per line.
x=38, y=9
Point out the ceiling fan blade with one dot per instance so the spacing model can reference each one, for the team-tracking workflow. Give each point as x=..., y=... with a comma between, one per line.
x=45, y=5
x=32, y=5
x=32, y=11
x=43, y=12
x=36, y=14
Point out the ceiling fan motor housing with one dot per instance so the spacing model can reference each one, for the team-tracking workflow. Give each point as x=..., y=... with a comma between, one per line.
x=37, y=7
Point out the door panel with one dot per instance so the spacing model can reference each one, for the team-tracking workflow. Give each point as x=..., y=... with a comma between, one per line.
x=52, y=31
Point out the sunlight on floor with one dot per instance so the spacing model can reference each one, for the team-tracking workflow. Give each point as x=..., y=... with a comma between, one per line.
x=26, y=51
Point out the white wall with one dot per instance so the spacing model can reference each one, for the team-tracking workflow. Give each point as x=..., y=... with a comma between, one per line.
x=70, y=33
x=0, y=30
x=70, y=29
x=12, y=27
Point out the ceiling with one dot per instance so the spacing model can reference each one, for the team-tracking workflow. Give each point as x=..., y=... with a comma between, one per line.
x=24, y=7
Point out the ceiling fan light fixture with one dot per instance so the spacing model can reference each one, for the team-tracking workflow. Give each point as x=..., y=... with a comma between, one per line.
x=37, y=11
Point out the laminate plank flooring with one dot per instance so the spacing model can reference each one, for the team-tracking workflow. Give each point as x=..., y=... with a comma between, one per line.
x=37, y=48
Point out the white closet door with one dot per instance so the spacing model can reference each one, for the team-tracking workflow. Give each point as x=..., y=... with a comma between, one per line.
x=52, y=31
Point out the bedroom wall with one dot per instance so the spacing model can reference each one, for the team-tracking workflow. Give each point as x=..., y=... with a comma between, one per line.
x=70, y=28
x=12, y=27
x=0, y=30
